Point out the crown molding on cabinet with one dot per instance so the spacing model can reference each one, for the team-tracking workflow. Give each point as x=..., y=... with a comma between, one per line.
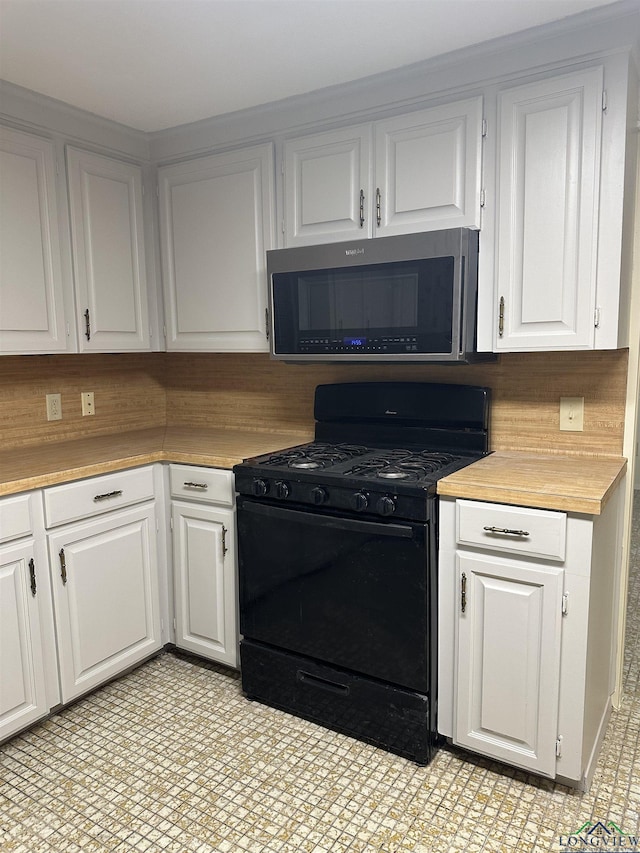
x=35, y=112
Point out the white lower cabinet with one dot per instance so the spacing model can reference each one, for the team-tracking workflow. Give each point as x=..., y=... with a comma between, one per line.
x=22, y=689
x=84, y=589
x=509, y=660
x=26, y=636
x=204, y=562
x=526, y=620
x=105, y=579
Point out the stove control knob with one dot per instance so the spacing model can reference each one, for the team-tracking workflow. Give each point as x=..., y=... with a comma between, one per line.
x=359, y=501
x=259, y=488
x=283, y=490
x=385, y=506
x=319, y=495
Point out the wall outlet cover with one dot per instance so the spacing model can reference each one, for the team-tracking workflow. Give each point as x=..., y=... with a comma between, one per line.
x=54, y=407
x=572, y=414
x=88, y=405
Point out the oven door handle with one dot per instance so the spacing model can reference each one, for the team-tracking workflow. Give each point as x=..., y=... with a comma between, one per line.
x=336, y=522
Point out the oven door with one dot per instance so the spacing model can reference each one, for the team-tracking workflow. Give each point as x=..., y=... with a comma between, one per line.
x=347, y=591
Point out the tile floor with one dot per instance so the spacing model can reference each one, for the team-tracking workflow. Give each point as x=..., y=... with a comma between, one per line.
x=173, y=758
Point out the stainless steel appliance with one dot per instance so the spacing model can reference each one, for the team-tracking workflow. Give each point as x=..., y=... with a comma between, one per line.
x=402, y=298
x=337, y=557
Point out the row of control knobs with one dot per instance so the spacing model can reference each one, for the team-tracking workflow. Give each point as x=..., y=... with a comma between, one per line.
x=359, y=501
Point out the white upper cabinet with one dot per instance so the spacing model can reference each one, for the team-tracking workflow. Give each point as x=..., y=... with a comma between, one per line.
x=31, y=286
x=550, y=261
x=216, y=223
x=106, y=207
x=428, y=169
x=415, y=172
x=327, y=186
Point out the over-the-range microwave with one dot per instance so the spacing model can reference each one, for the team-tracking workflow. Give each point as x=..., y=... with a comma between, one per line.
x=404, y=298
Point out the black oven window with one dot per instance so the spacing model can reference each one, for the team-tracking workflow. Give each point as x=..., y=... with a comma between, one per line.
x=358, y=300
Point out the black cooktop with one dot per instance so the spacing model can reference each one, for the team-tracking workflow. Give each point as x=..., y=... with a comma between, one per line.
x=321, y=460
x=379, y=449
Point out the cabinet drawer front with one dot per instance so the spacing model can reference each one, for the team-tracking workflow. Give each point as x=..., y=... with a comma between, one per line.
x=518, y=530
x=208, y=485
x=97, y=495
x=15, y=517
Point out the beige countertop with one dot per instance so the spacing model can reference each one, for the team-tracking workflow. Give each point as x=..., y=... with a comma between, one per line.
x=59, y=462
x=570, y=483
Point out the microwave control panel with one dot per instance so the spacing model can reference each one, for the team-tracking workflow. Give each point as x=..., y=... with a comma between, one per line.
x=385, y=344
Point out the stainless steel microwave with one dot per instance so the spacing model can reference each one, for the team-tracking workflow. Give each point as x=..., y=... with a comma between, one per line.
x=403, y=298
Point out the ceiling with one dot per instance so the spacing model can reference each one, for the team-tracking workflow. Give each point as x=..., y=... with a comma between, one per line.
x=153, y=64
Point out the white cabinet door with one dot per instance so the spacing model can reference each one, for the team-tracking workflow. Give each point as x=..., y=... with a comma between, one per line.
x=508, y=678
x=205, y=581
x=415, y=172
x=105, y=588
x=216, y=222
x=106, y=206
x=327, y=187
x=23, y=696
x=428, y=169
x=31, y=289
x=546, y=240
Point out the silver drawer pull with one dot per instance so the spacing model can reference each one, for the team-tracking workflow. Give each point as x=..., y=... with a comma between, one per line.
x=106, y=495
x=507, y=531
x=196, y=485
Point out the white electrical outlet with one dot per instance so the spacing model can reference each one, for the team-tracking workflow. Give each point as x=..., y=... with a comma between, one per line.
x=572, y=414
x=88, y=406
x=54, y=407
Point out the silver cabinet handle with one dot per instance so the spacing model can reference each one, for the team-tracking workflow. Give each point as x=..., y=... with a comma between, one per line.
x=203, y=486
x=506, y=531
x=63, y=565
x=361, y=208
x=115, y=494
x=378, y=206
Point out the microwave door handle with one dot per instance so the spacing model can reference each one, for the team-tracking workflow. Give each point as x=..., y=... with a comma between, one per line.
x=336, y=523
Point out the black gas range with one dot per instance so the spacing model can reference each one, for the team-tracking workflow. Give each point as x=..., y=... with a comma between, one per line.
x=379, y=481
x=337, y=545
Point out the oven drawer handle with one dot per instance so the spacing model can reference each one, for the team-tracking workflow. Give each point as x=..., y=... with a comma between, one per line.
x=323, y=683
x=329, y=521
x=506, y=530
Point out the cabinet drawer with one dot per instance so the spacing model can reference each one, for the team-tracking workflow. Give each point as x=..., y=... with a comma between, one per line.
x=15, y=517
x=208, y=485
x=518, y=530
x=85, y=498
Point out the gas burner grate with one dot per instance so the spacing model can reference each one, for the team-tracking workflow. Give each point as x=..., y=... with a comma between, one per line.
x=315, y=455
x=404, y=465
